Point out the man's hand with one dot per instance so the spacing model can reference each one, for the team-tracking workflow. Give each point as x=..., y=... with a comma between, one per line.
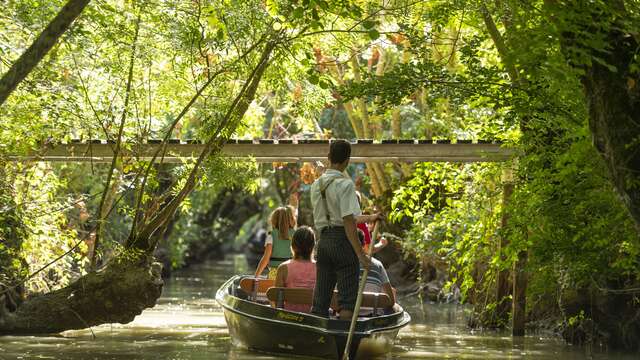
x=365, y=260
x=371, y=218
x=383, y=241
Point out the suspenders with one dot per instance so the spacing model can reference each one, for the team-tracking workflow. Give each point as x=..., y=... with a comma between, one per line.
x=323, y=192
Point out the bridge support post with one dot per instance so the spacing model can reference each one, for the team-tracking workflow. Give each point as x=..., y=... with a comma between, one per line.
x=519, y=294
x=503, y=286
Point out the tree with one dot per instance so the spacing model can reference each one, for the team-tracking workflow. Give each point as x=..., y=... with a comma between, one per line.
x=600, y=41
x=131, y=282
x=40, y=47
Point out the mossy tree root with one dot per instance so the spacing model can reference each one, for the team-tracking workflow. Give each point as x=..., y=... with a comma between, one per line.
x=116, y=294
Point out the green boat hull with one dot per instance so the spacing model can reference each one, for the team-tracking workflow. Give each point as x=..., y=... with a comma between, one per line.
x=265, y=329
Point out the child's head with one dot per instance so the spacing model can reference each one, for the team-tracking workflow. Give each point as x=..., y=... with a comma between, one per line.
x=302, y=244
x=361, y=237
x=282, y=221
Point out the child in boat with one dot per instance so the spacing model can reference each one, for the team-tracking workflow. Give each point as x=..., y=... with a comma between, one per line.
x=277, y=246
x=377, y=278
x=300, y=271
x=361, y=223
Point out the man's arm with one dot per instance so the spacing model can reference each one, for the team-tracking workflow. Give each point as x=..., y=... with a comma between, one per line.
x=386, y=287
x=369, y=218
x=350, y=228
x=294, y=200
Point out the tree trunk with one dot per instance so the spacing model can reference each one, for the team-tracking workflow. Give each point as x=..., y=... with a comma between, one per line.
x=614, y=119
x=40, y=47
x=612, y=90
x=519, y=286
x=503, y=287
x=519, y=303
x=396, y=123
x=375, y=170
x=357, y=124
x=115, y=294
x=334, y=70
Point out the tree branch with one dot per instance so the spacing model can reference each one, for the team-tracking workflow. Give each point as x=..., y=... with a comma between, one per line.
x=116, y=151
x=40, y=47
x=229, y=122
x=498, y=41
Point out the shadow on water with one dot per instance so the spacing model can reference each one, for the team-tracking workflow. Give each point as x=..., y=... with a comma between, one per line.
x=188, y=324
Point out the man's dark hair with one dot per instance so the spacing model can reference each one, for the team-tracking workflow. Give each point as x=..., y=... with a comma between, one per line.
x=339, y=151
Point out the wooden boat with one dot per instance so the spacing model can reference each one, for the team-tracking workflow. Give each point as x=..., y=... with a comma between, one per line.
x=257, y=325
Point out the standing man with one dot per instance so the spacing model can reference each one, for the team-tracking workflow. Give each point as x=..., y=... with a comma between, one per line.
x=339, y=254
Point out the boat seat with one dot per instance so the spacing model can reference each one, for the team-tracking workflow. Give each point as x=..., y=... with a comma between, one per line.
x=279, y=295
x=370, y=300
x=256, y=286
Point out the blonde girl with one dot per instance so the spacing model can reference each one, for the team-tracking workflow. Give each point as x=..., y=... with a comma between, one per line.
x=277, y=247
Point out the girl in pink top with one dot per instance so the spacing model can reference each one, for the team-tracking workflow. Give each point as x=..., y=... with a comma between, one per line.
x=300, y=271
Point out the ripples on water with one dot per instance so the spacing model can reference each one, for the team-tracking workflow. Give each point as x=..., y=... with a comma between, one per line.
x=188, y=324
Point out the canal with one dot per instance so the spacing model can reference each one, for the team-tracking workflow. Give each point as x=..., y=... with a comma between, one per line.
x=188, y=324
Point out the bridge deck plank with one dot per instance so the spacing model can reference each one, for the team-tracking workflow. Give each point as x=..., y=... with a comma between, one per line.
x=286, y=152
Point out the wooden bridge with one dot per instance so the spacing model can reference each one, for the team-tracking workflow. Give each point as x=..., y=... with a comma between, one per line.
x=284, y=150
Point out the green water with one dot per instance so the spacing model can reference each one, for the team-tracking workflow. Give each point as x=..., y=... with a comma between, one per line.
x=188, y=324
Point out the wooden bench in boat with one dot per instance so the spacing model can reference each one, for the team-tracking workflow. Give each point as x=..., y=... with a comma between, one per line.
x=255, y=287
x=279, y=295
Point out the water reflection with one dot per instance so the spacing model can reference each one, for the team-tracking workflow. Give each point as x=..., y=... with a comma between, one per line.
x=188, y=324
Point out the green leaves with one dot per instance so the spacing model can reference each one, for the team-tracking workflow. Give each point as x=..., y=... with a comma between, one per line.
x=298, y=13
x=373, y=34
x=455, y=214
x=323, y=81
x=314, y=78
x=215, y=23
x=272, y=7
x=369, y=24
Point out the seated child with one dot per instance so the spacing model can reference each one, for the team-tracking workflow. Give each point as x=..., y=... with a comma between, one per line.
x=377, y=279
x=361, y=223
x=300, y=271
